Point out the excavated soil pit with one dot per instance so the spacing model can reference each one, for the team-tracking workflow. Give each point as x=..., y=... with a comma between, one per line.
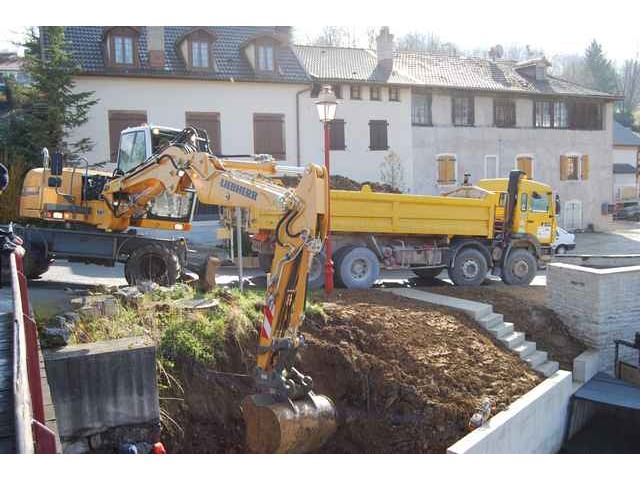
x=405, y=377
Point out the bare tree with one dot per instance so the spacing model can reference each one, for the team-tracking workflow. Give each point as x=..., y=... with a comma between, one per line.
x=629, y=86
x=335, y=36
x=426, y=42
x=392, y=171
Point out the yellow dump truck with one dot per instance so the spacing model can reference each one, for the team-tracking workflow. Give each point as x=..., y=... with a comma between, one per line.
x=504, y=226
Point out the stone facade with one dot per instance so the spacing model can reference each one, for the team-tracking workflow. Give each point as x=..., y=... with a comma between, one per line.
x=598, y=304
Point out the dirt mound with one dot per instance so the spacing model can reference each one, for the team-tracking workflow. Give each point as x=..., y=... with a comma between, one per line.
x=525, y=308
x=404, y=377
x=339, y=182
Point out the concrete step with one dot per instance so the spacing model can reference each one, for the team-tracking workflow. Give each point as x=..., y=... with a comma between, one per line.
x=490, y=320
x=512, y=340
x=536, y=359
x=502, y=330
x=474, y=309
x=548, y=368
x=525, y=349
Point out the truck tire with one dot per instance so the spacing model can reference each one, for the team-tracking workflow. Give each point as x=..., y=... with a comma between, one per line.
x=154, y=263
x=356, y=267
x=470, y=268
x=520, y=268
x=427, y=273
x=35, y=263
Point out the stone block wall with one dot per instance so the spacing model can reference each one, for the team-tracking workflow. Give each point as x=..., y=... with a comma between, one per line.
x=598, y=305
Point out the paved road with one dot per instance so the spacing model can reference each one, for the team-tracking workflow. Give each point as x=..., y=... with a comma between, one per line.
x=49, y=291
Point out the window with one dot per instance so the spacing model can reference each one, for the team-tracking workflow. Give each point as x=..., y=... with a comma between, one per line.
x=524, y=163
x=378, y=139
x=462, y=110
x=119, y=120
x=123, y=50
x=355, y=92
x=269, y=135
x=209, y=122
x=375, y=93
x=265, y=58
x=336, y=135
x=574, y=167
x=315, y=90
x=586, y=116
x=524, y=200
x=337, y=90
x=550, y=114
x=539, y=203
x=394, y=94
x=420, y=108
x=504, y=112
x=200, y=54
x=491, y=166
x=446, y=169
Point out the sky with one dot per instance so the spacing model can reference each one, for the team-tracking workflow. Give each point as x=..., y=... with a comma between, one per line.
x=556, y=26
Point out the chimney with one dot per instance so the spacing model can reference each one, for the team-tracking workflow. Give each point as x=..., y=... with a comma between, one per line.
x=283, y=34
x=384, y=49
x=155, y=42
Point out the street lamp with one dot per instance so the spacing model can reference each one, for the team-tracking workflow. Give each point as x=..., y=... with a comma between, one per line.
x=326, y=105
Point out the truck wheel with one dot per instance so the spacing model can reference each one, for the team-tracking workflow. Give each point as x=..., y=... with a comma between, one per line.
x=356, y=267
x=35, y=263
x=520, y=268
x=153, y=263
x=427, y=273
x=315, y=277
x=470, y=268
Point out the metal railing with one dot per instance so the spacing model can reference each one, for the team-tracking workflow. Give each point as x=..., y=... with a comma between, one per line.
x=31, y=433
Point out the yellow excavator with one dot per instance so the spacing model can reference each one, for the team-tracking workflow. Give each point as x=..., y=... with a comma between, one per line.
x=285, y=415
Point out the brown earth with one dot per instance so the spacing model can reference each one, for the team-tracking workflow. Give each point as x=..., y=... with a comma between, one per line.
x=340, y=182
x=525, y=307
x=405, y=377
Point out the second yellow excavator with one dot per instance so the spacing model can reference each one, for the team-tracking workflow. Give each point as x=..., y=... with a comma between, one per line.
x=285, y=415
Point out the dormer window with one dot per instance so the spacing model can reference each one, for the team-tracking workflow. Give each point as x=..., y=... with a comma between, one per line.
x=199, y=54
x=123, y=50
x=196, y=49
x=265, y=57
x=120, y=46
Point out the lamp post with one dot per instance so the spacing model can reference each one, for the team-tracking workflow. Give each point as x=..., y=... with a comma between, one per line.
x=326, y=105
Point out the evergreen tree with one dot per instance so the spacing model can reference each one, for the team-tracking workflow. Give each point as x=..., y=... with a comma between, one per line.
x=47, y=110
x=600, y=73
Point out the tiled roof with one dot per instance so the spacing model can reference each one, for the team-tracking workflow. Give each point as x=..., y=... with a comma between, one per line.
x=625, y=136
x=432, y=70
x=85, y=44
x=623, y=168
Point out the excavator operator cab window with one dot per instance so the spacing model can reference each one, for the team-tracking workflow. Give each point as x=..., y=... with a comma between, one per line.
x=132, y=151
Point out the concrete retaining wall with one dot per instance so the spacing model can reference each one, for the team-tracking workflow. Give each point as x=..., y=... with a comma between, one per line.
x=535, y=423
x=598, y=304
x=103, y=386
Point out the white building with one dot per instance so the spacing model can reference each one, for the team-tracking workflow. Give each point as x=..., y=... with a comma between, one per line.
x=438, y=116
x=626, y=157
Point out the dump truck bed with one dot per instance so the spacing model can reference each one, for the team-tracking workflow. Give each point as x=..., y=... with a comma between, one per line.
x=402, y=214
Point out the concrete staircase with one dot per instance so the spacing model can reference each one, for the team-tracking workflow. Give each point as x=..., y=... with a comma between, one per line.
x=494, y=323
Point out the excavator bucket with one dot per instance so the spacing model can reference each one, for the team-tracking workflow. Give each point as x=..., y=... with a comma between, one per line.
x=287, y=427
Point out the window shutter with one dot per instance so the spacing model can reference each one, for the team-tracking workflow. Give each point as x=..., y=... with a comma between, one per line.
x=446, y=170
x=584, y=175
x=451, y=170
x=336, y=138
x=564, y=167
x=268, y=135
x=210, y=122
x=378, y=135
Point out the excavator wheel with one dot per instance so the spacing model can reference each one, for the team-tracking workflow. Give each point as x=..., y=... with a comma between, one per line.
x=299, y=426
x=153, y=263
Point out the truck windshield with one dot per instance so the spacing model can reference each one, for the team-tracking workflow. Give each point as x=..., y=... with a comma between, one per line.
x=539, y=203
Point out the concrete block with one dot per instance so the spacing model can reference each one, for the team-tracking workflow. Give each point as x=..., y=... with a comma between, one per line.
x=536, y=359
x=548, y=368
x=525, y=349
x=490, y=320
x=502, y=330
x=535, y=423
x=103, y=385
x=475, y=310
x=513, y=340
x=585, y=366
